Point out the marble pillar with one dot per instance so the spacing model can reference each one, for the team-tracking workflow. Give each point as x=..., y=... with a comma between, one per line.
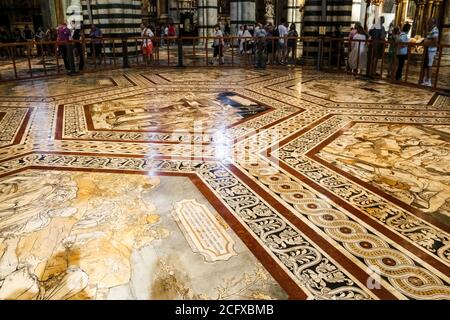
x=241, y=12
x=116, y=18
x=294, y=15
x=445, y=36
x=357, y=9
x=398, y=12
x=163, y=10
x=207, y=18
x=174, y=14
x=428, y=11
x=49, y=13
x=417, y=27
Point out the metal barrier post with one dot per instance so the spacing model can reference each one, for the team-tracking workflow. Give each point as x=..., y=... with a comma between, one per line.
x=319, y=54
x=436, y=78
x=125, y=52
x=180, y=53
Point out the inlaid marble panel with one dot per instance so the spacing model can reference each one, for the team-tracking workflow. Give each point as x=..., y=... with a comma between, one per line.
x=13, y=122
x=172, y=111
x=359, y=91
x=55, y=86
x=410, y=162
x=153, y=184
x=224, y=76
x=75, y=235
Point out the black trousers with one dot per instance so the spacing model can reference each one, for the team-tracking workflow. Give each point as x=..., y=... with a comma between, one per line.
x=66, y=51
x=401, y=62
x=80, y=53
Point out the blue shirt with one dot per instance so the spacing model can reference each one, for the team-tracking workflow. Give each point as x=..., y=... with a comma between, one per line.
x=96, y=35
x=433, y=34
x=403, y=39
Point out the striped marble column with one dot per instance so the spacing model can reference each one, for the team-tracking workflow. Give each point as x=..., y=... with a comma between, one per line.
x=328, y=13
x=207, y=17
x=116, y=18
x=294, y=14
x=241, y=12
x=338, y=12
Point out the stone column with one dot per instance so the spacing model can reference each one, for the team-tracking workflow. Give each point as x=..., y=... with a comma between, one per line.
x=294, y=14
x=445, y=22
x=428, y=10
x=437, y=8
x=398, y=12
x=418, y=23
x=207, y=17
x=49, y=15
x=357, y=9
x=116, y=19
x=241, y=12
x=163, y=11
x=174, y=15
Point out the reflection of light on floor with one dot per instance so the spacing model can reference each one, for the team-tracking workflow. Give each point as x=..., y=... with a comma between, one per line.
x=222, y=145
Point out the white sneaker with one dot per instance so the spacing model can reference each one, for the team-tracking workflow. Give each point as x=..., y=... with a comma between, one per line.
x=428, y=83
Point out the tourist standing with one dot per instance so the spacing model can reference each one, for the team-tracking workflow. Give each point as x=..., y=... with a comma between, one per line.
x=392, y=61
x=282, y=34
x=247, y=40
x=77, y=46
x=357, y=58
x=218, y=45
x=430, y=44
x=260, y=39
x=292, y=43
x=96, y=44
x=65, y=48
x=269, y=43
x=240, y=34
x=172, y=33
x=402, y=50
x=18, y=37
x=28, y=34
x=147, y=44
x=39, y=37
x=376, y=50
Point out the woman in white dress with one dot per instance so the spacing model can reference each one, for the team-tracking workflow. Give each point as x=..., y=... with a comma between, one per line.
x=357, y=59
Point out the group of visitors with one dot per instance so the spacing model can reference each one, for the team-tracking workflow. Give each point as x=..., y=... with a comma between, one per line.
x=268, y=43
x=70, y=46
x=365, y=55
x=29, y=38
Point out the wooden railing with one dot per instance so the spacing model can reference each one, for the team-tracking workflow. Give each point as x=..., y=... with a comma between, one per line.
x=29, y=60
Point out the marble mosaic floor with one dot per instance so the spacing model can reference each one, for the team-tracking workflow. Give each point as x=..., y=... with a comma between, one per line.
x=223, y=184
